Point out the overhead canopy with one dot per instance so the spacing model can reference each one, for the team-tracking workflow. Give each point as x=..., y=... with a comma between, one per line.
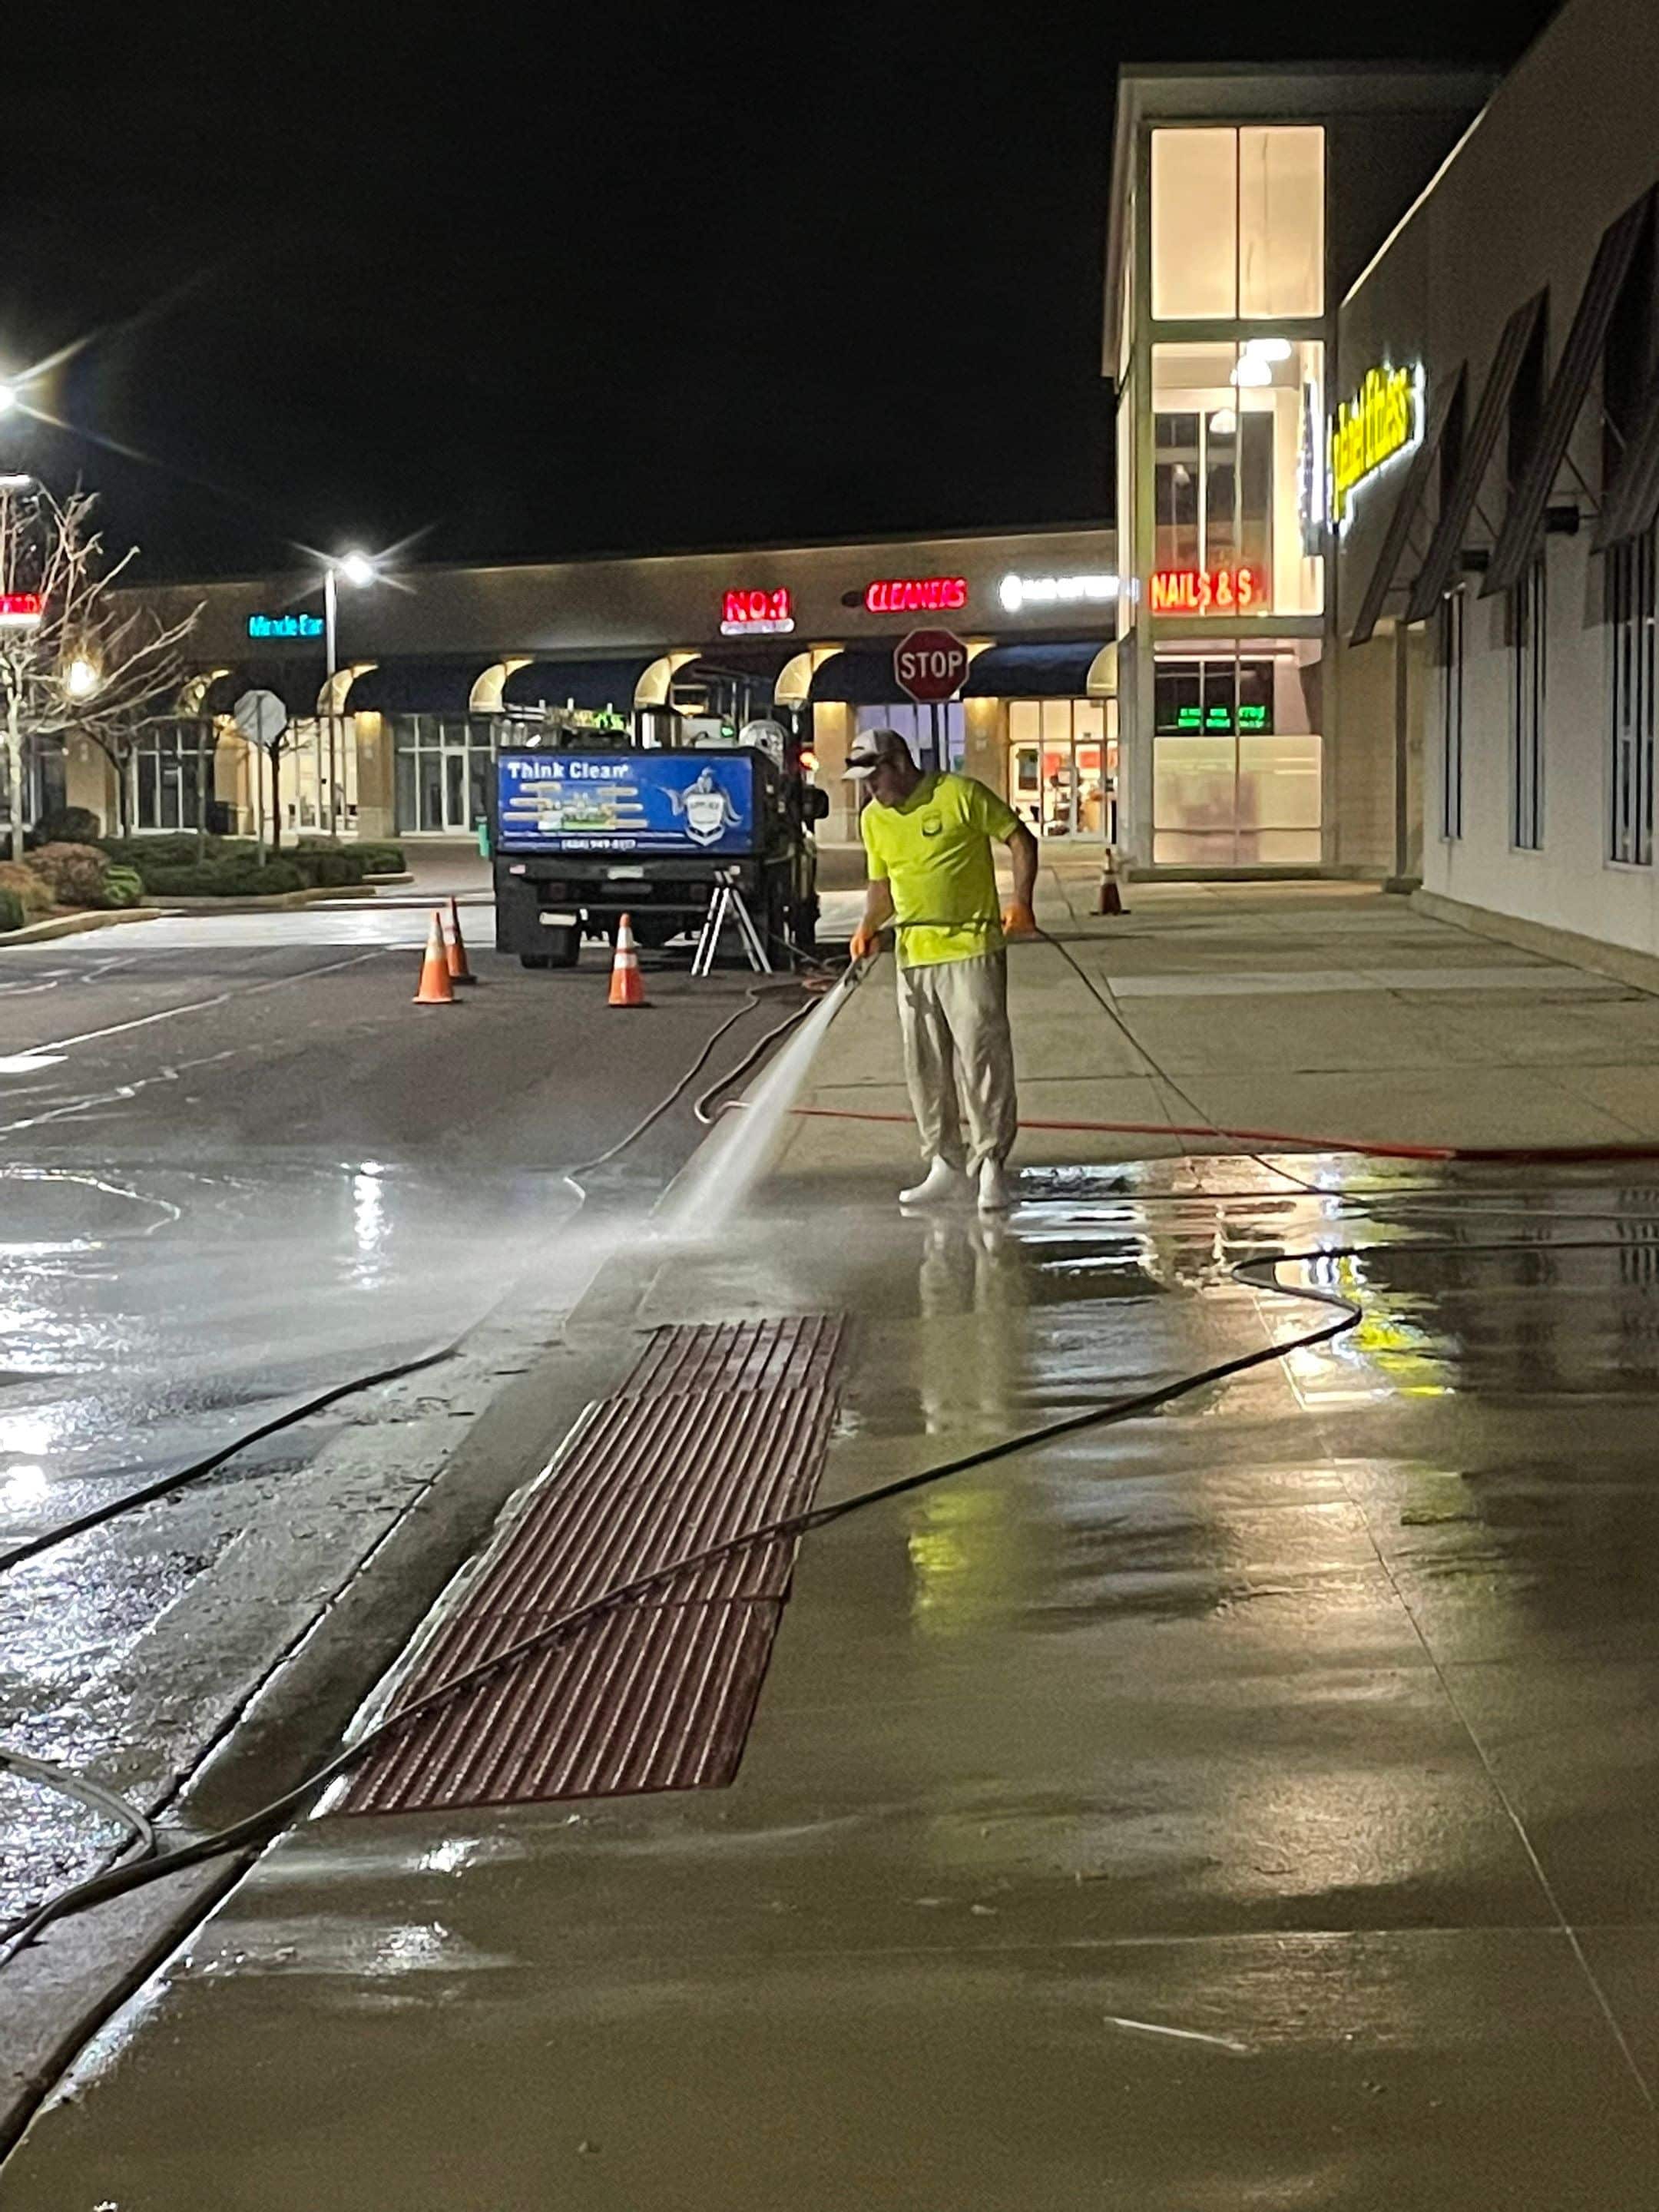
x=759, y=662
x=297, y=683
x=860, y=677
x=1489, y=416
x=1033, y=672
x=414, y=687
x=1517, y=541
x=592, y=684
x=1447, y=409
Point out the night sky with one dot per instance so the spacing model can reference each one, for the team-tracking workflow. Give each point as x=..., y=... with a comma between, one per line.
x=622, y=287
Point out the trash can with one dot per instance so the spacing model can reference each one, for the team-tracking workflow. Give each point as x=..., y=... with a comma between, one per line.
x=482, y=826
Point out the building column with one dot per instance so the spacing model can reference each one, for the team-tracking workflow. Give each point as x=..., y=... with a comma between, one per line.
x=985, y=753
x=833, y=727
x=377, y=804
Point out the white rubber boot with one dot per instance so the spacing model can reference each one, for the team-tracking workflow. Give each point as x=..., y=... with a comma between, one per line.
x=994, y=1196
x=942, y=1185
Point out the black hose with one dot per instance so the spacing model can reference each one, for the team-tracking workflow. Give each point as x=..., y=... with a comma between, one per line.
x=197, y=1470
x=117, y=1881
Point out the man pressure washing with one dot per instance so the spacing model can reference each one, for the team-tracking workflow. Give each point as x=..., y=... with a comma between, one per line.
x=928, y=852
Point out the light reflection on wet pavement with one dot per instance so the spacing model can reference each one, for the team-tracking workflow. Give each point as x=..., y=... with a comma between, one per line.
x=149, y=1316
x=1192, y=1814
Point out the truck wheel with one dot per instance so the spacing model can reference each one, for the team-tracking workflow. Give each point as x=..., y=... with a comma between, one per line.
x=806, y=930
x=564, y=948
x=534, y=960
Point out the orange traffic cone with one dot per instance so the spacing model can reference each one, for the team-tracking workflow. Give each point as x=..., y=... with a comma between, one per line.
x=458, y=970
x=1111, y=889
x=627, y=984
x=436, y=989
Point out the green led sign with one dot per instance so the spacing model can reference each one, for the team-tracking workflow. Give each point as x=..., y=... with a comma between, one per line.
x=285, y=626
x=1219, y=719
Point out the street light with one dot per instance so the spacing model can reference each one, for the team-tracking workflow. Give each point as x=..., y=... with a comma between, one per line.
x=7, y=397
x=81, y=679
x=358, y=570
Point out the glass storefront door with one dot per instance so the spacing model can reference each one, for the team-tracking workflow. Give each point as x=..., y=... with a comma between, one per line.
x=443, y=772
x=1063, y=767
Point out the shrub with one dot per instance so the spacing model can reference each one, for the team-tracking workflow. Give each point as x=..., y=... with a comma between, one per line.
x=220, y=878
x=11, y=912
x=122, y=887
x=32, y=891
x=329, y=869
x=68, y=825
x=376, y=856
x=73, y=874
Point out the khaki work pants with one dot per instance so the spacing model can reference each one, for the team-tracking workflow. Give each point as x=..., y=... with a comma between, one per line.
x=959, y=1058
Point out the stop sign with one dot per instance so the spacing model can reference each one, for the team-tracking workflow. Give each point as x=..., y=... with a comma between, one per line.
x=929, y=664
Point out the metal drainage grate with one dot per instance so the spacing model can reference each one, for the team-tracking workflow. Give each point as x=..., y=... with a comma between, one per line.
x=718, y=1428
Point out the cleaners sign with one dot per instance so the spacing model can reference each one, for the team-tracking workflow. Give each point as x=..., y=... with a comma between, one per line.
x=1381, y=420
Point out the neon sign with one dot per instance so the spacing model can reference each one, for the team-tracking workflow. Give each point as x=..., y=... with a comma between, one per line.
x=1251, y=715
x=1208, y=592
x=1380, y=420
x=1017, y=592
x=289, y=626
x=18, y=610
x=909, y=595
x=757, y=614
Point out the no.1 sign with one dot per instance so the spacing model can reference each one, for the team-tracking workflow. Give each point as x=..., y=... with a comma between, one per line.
x=929, y=665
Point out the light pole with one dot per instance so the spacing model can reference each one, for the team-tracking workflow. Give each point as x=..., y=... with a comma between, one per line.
x=358, y=570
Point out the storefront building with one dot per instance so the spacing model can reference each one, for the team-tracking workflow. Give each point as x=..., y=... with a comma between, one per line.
x=1242, y=205
x=1496, y=600
x=433, y=673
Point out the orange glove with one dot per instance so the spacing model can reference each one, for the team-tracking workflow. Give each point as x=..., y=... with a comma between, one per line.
x=1018, y=920
x=866, y=942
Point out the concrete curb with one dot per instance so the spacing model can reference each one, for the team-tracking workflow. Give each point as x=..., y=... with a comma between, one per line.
x=74, y=925
x=274, y=904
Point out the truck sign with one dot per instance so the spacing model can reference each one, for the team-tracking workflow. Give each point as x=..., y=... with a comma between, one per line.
x=625, y=802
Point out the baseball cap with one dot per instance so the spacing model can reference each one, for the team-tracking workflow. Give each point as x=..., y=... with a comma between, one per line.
x=871, y=747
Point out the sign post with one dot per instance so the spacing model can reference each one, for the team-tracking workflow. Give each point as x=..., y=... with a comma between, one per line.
x=263, y=720
x=928, y=666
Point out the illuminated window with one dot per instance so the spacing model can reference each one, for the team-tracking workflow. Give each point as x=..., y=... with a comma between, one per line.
x=1238, y=222
x=443, y=767
x=162, y=772
x=1239, y=482
x=1238, y=758
x=1065, y=766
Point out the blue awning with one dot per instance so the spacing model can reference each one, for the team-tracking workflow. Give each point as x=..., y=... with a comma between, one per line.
x=297, y=683
x=862, y=676
x=414, y=687
x=592, y=684
x=1033, y=672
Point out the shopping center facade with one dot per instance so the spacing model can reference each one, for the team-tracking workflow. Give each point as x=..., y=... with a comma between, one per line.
x=1377, y=597
x=436, y=666
x=1495, y=604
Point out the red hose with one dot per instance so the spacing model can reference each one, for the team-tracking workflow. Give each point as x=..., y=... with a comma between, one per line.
x=1285, y=1140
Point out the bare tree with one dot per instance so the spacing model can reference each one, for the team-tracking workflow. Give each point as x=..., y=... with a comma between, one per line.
x=73, y=658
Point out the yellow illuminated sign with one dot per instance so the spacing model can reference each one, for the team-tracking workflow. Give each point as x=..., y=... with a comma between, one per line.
x=1378, y=423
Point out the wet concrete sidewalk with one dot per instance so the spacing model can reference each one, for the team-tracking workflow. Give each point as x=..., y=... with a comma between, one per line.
x=1249, y=1804
x=1327, y=1011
